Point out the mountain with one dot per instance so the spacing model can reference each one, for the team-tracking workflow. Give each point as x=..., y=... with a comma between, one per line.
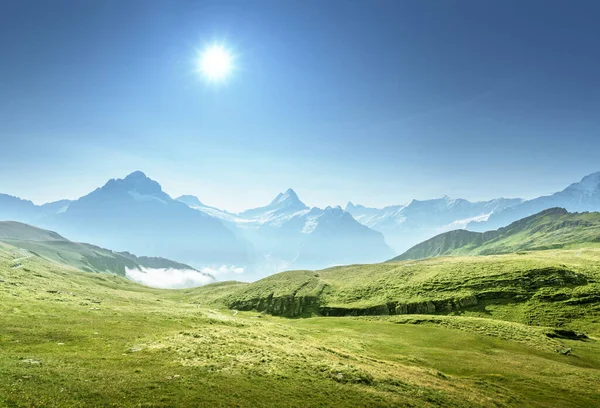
x=286, y=233
x=135, y=214
x=17, y=209
x=53, y=247
x=338, y=239
x=283, y=204
x=406, y=225
x=193, y=202
x=578, y=197
x=14, y=208
x=549, y=229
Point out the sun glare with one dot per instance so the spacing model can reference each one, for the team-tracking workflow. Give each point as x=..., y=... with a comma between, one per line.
x=215, y=63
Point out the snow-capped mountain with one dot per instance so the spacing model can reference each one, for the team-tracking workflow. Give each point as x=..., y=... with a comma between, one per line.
x=286, y=233
x=283, y=205
x=334, y=237
x=406, y=225
x=193, y=202
x=578, y=197
x=135, y=214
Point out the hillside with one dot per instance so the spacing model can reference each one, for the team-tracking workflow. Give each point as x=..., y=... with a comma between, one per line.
x=552, y=228
x=68, y=335
x=557, y=288
x=53, y=247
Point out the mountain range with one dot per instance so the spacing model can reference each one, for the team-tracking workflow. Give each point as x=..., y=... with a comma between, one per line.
x=406, y=225
x=288, y=234
x=135, y=214
x=553, y=228
x=578, y=197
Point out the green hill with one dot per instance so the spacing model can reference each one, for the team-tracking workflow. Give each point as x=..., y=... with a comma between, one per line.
x=51, y=246
x=549, y=229
x=76, y=339
x=19, y=231
x=554, y=287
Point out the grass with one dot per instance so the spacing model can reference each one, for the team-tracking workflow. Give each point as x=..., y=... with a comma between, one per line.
x=90, y=258
x=75, y=339
x=558, y=288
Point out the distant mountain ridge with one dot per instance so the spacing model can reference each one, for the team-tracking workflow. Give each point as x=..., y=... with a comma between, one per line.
x=16, y=209
x=286, y=233
x=135, y=214
x=578, y=197
x=406, y=225
x=550, y=229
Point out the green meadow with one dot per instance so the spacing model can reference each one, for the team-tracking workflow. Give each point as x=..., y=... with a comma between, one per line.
x=70, y=338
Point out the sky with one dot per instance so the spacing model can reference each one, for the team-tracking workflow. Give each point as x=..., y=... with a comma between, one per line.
x=377, y=102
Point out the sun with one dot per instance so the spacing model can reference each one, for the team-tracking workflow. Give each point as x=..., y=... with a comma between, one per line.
x=215, y=63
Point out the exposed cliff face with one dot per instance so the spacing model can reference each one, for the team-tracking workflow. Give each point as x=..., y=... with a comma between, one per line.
x=288, y=306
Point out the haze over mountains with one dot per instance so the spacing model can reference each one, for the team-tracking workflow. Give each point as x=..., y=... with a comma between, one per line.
x=288, y=234
x=135, y=214
x=405, y=225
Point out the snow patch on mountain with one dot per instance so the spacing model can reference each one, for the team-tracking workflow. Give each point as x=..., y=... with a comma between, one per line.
x=462, y=224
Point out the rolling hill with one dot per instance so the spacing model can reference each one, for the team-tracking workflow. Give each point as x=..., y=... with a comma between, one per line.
x=48, y=245
x=557, y=288
x=552, y=228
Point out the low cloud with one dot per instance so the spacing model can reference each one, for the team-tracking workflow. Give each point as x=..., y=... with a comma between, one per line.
x=223, y=270
x=169, y=278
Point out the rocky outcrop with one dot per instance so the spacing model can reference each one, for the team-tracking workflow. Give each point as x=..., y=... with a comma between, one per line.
x=288, y=306
x=398, y=308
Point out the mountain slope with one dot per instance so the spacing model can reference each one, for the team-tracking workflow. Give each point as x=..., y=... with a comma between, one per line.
x=338, y=239
x=285, y=203
x=578, y=197
x=557, y=288
x=16, y=209
x=406, y=225
x=135, y=214
x=90, y=258
x=552, y=228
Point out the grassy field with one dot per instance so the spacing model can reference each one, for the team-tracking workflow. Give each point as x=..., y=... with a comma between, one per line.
x=72, y=339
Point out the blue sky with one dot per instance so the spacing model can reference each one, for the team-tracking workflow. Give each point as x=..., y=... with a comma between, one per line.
x=377, y=102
